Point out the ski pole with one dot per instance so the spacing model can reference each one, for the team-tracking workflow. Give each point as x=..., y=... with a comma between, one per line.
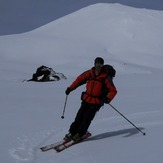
x=64, y=107
x=128, y=120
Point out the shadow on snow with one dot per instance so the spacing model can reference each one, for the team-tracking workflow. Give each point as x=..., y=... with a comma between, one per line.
x=124, y=132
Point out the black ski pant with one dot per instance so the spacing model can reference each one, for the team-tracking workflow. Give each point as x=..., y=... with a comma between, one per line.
x=83, y=118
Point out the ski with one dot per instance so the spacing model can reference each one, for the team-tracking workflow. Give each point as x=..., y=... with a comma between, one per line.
x=52, y=146
x=66, y=145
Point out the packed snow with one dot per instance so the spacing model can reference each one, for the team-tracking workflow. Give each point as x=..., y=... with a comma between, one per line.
x=128, y=35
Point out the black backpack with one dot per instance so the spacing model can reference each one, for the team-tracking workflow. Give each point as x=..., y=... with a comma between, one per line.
x=109, y=70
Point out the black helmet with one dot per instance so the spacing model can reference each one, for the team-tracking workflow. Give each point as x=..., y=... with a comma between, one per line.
x=99, y=60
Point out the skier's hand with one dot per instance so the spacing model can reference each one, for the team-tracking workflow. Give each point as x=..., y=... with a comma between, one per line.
x=68, y=90
x=107, y=101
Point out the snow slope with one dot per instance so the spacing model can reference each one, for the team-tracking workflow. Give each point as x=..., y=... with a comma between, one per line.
x=127, y=37
x=21, y=16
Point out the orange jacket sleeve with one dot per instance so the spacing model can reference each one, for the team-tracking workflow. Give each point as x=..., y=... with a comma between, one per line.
x=80, y=80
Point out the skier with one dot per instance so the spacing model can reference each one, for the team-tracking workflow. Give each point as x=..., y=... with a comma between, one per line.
x=97, y=84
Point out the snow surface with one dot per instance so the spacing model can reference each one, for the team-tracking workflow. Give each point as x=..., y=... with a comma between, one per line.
x=128, y=36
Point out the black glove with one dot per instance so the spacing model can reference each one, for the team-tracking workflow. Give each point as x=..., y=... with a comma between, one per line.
x=68, y=90
x=107, y=101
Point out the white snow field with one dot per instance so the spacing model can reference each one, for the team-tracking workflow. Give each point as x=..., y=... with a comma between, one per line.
x=128, y=34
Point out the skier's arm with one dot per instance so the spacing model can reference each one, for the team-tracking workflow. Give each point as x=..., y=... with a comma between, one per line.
x=80, y=80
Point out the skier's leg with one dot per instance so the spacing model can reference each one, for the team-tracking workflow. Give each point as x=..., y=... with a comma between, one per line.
x=78, y=119
x=87, y=118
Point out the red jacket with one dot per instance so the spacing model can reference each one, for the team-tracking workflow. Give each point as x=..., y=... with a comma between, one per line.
x=94, y=86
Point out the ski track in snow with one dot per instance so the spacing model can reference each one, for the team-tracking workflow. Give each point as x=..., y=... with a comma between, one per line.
x=27, y=149
x=28, y=146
